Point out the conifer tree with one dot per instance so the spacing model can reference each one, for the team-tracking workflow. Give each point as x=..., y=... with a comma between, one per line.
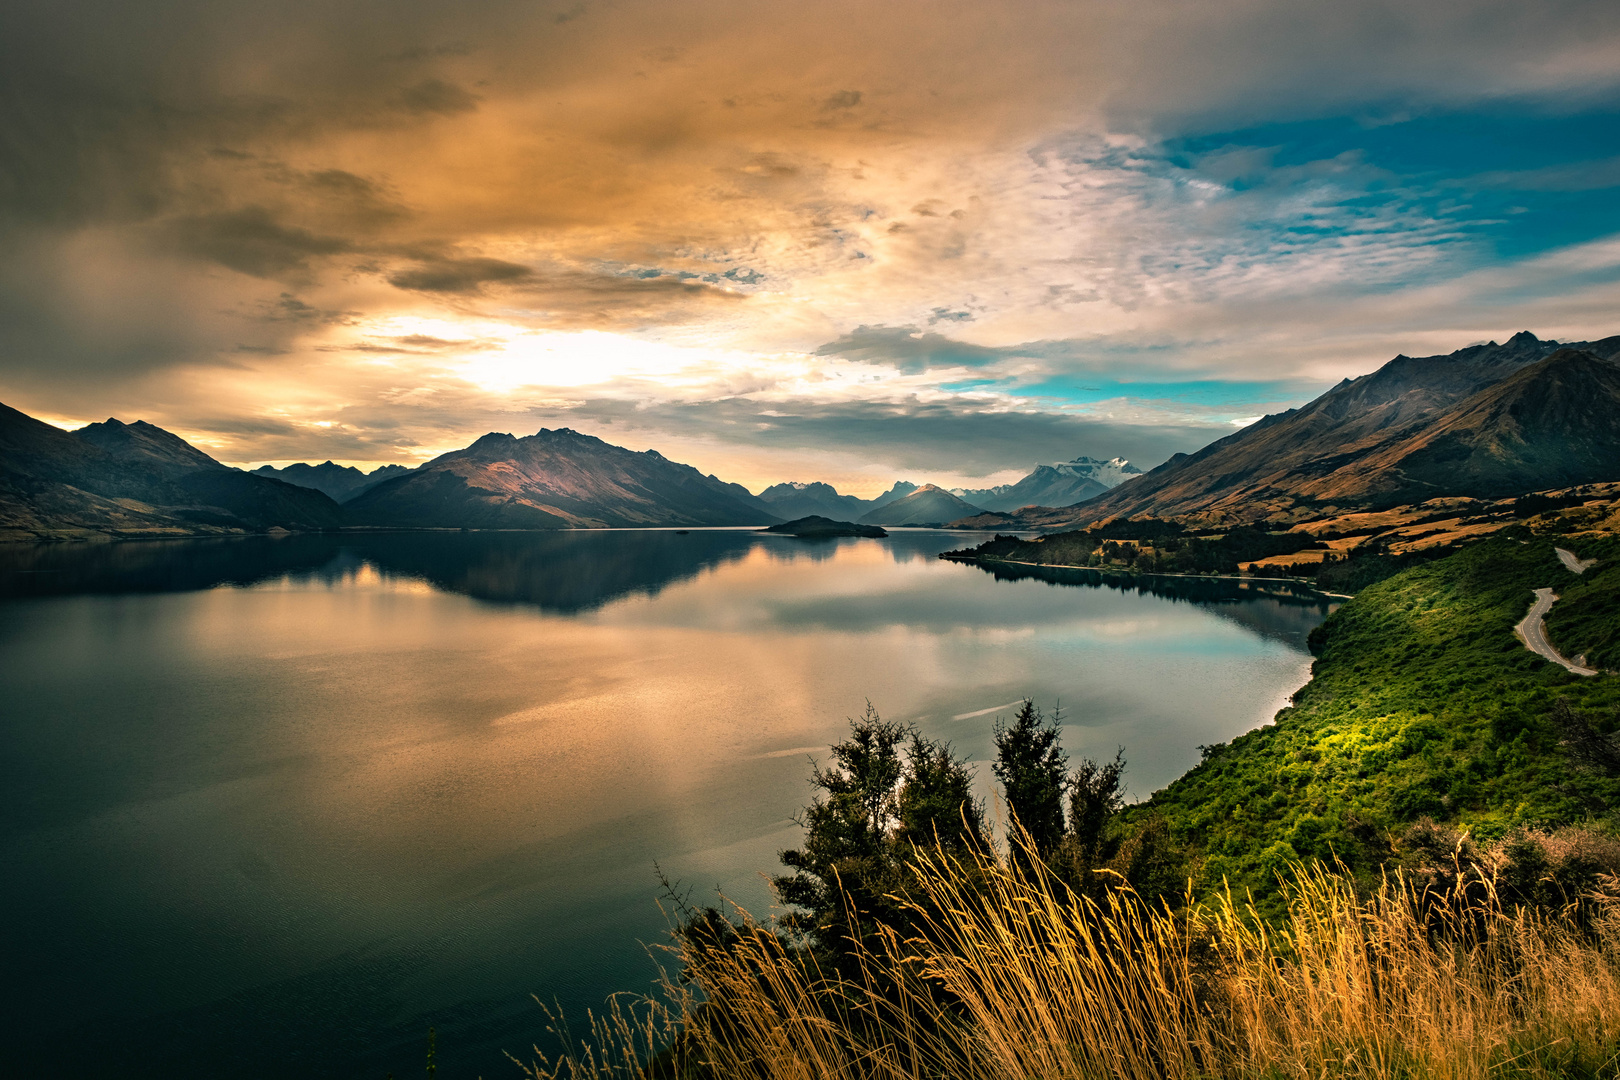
x=1034, y=772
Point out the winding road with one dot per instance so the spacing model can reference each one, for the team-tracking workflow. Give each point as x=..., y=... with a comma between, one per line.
x=1532, y=629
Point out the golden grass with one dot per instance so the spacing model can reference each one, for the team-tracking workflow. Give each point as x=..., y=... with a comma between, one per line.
x=1006, y=974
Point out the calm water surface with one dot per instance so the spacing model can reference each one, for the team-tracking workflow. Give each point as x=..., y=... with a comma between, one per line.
x=274, y=807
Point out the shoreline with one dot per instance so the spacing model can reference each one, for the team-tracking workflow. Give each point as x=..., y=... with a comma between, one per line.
x=977, y=561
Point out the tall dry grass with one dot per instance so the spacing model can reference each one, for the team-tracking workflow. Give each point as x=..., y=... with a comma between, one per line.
x=1004, y=973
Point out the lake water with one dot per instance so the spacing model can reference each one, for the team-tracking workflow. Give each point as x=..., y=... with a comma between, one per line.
x=273, y=807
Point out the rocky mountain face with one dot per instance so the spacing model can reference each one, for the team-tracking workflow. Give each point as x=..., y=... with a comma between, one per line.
x=928, y=505
x=1488, y=420
x=1061, y=484
x=116, y=479
x=340, y=482
x=555, y=479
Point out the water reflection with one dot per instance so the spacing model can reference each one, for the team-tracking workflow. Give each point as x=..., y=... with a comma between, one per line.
x=1287, y=610
x=272, y=807
x=561, y=572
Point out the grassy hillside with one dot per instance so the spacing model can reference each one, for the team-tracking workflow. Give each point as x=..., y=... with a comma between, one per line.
x=1423, y=704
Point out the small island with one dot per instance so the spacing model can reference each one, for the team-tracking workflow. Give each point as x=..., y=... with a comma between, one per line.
x=817, y=526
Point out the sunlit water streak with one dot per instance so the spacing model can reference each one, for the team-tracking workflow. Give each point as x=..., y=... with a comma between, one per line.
x=273, y=808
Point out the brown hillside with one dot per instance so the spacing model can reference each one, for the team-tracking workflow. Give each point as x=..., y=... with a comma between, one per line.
x=1386, y=437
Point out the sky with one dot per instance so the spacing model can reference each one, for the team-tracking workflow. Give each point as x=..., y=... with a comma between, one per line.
x=784, y=241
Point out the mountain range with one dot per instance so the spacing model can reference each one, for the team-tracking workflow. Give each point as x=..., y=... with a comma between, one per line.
x=117, y=479
x=1485, y=421
x=340, y=482
x=796, y=500
x=928, y=505
x=1063, y=483
x=554, y=479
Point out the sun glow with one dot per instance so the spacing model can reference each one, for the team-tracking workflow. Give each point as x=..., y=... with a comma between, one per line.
x=501, y=358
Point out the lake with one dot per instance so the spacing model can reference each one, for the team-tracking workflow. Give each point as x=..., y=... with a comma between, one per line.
x=275, y=806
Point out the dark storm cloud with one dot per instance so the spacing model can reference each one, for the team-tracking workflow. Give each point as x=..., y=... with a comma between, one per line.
x=921, y=436
x=567, y=298
x=251, y=241
x=437, y=96
x=913, y=350
x=289, y=308
x=458, y=275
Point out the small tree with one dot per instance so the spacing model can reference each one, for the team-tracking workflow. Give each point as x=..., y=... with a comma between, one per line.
x=936, y=803
x=1096, y=794
x=853, y=869
x=1033, y=770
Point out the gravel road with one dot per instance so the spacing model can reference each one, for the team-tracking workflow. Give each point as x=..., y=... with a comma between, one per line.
x=1532, y=629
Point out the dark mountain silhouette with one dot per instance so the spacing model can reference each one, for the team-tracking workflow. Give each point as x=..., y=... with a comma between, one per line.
x=340, y=482
x=1488, y=420
x=116, y=479
x=146, y=446
x=555, y=479
x=928, y=505
x=796, y=500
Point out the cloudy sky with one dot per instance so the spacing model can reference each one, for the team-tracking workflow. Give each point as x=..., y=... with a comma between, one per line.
x=784, y=240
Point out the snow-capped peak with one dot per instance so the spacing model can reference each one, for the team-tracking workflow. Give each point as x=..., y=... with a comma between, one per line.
x=1110, y=473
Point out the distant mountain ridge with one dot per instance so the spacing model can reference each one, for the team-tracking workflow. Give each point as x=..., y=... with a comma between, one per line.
x=928, y=505
x=794, y=500
x=117, y=479
x=555, y=479
x=1063, y=483
x=340, y=482
x=1485, y=421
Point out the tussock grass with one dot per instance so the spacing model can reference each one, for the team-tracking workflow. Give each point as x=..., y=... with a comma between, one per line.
x=1004, y=973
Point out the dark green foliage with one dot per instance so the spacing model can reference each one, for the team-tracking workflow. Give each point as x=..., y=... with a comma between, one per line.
x=1364, y=568
x=890, y=791
x=1590, y=743
x=1033, y=770
x=1159, y=548
x=859, y=835
x=1422, y=703
x=936, y=801
x=1141, y=529
x=1586, y=619
x=1096, y=795
x=1530, y=505
x=1086, y=847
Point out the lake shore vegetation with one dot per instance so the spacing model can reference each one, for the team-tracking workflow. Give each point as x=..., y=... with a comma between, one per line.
x=1414, y=872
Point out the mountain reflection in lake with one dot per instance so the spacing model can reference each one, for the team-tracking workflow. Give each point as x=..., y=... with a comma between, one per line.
x=273, y=806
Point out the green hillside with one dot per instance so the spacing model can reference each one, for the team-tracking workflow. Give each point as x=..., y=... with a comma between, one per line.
x=1423, y=704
